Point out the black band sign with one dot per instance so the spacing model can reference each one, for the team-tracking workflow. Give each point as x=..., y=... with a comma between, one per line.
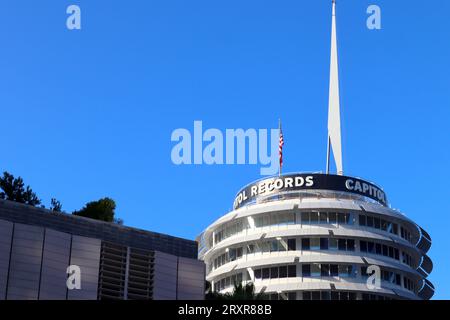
x=295, y=182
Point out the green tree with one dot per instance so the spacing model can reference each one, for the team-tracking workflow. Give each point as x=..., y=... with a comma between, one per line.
x=56, y=205
x=103, y=209
x=240, y=292
x=14, y=189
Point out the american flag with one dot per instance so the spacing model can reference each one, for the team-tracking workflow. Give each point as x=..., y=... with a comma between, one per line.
x=280, y=147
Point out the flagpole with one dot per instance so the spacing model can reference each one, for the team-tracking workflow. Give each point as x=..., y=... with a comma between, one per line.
x=279, y=136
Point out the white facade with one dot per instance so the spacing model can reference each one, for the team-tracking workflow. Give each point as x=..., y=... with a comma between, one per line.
x=317, y=244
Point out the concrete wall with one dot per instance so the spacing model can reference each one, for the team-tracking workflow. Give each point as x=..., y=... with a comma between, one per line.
x=165, y=278
x=6, y=230
x=191, y=279
x=55, y=260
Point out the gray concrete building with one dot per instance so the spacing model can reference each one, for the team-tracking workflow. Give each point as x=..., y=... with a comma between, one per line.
x=116, y=262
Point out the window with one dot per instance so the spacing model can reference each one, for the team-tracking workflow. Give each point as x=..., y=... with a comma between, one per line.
x=266, y=273
x=341, y=218
x=274, y=246
x=315, y=270
x=283, y=272
x=342, y=244
x=323, y=243
x=292, y=245
x=348, y=219
x=315, y=243
x=370, y=247
x=370, y=221
x=292, y=295
x=307, y=295
x=305, y=244
x=332, y=217
x=315, y=295
x=251, y=248
x=314, y=218
x=274, y=273
x=362, y=220
x=306, y=270
x=323, y=217
x=345, y=270
x=385, y=251
x=334, y=270
x=325, y=270
x=292, y=271
x=333, y=243
x=350, y=245
x=378, y=248
x=305, y=217
x=377, y=223
x=325, y=295
x=395, y=229
x=258, y=274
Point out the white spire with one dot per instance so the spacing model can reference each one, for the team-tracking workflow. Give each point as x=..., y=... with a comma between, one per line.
x=334, y=117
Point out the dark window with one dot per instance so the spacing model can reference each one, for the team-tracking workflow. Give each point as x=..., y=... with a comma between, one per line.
x=370, y=221
x=305, y=244
x=377, y=223
x=305, y=217
x=341, y=218
x=343, y=295
x=364, y=272
x=395, y=229
x=283, y=272
x=391, y=252
x=274, y=273
x=334, y=270
x=347, y=218
x=323, y=243
x=396, y=254
x=398, y=280
x=323, y=217
x=325, y=295
x=334, y=295
x=350, y=245
x=332, y=217
x=384, y=225
x=258, y=274
x=292, y=295
x=362, y=220
x=292, y=271
x=325, y=270
x=315, y=295
x=306, y=295
x=370, y=247
x=342, y=244
x=363, y=246
x=352, y=296
x=378, y=248
x=385, y=251
x=306, y=270
x=314, y=217
x=273, y=296
x=291, y=245
x=266, y=273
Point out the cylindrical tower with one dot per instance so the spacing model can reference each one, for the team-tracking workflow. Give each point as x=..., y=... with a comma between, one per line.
x=317, y=236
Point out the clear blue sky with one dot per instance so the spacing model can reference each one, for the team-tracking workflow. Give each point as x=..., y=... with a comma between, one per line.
x=87, y=114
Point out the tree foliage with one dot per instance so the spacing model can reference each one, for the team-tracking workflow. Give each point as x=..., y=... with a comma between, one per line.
x=240, y=292
x=56, y=205
x=14, y=189
x=103, y=209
